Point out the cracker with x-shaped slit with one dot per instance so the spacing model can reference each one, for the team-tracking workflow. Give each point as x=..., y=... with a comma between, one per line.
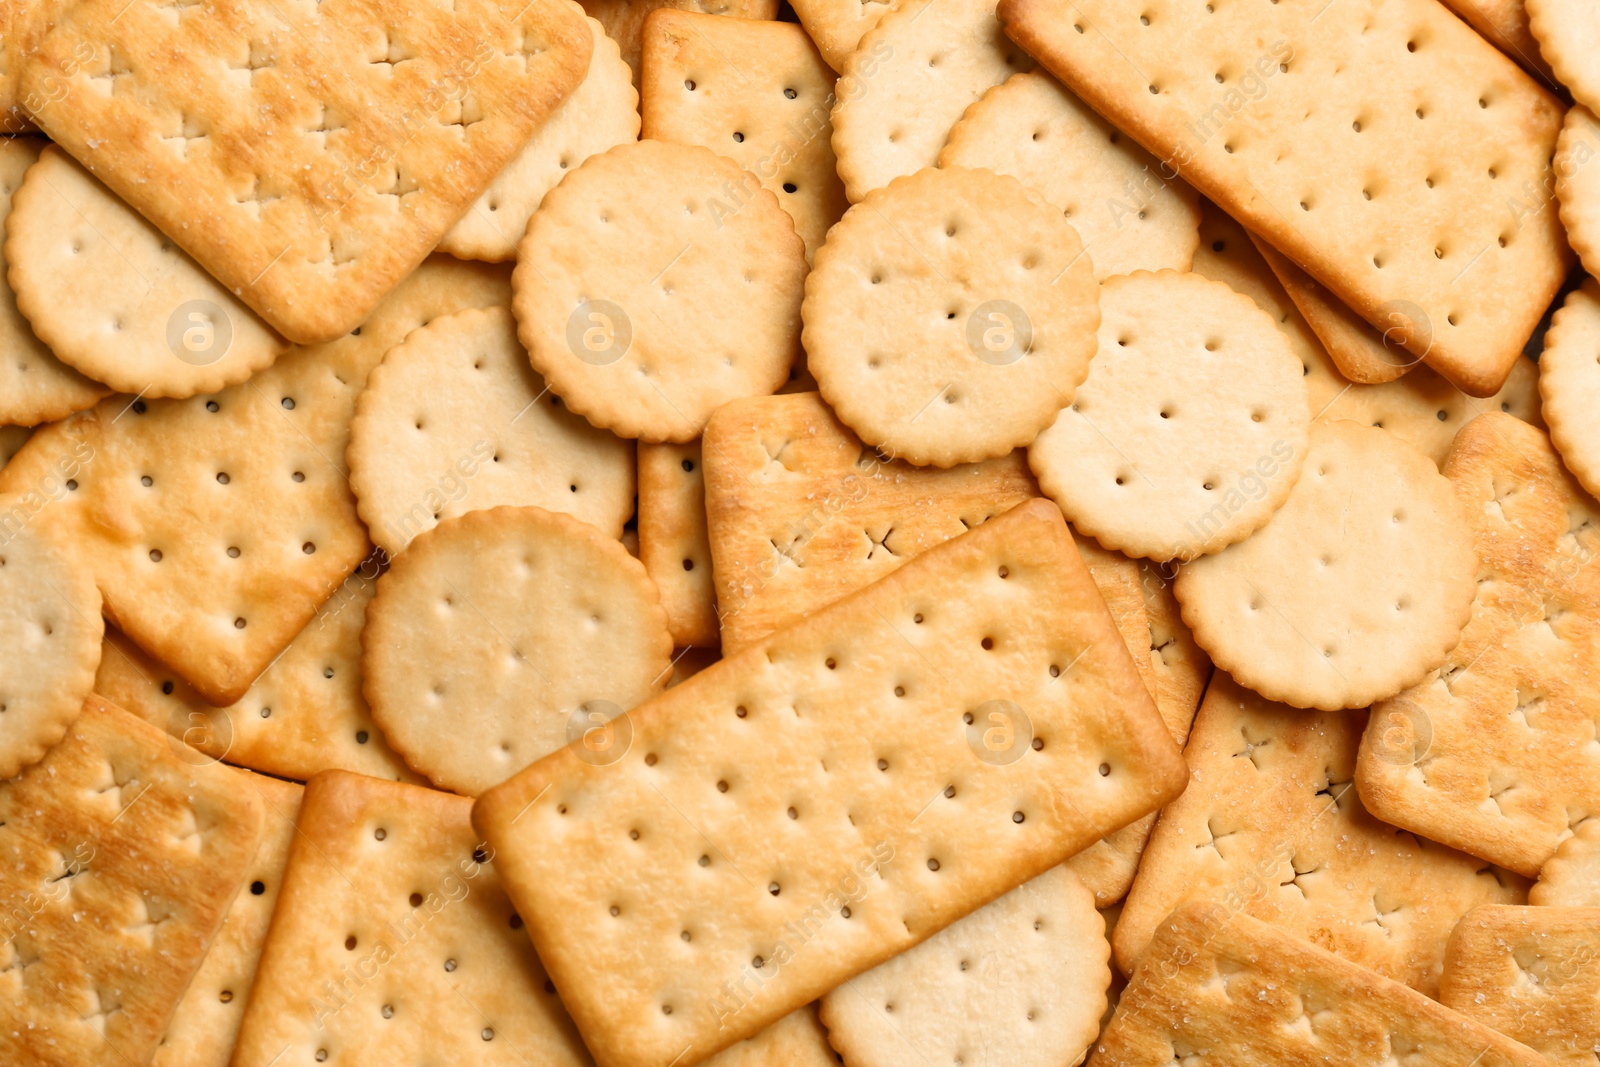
x=833, y=795
x=120, y=860
x=167, y=497
x=393, y=941
x=1497, y=752
x=1571, y=877
x=674, y=543
x=1271, y=825
x=308, y=155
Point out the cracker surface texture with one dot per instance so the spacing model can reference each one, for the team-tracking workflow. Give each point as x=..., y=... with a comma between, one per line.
x=1571, y=877
x=624, y=19
x=1569, y=383
x=674, y=542
x=1568, y=32
x=1578, y=183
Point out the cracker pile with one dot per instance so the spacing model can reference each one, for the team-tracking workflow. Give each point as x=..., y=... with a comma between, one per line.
x=644, y=533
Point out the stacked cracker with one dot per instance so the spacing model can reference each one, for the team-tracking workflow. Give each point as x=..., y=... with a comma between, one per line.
x=656, y=533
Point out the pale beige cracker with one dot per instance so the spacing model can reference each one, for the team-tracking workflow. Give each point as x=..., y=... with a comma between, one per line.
x=1189, y=431
x=35, y=386
x=115, y=299
x=674, y=545
x=837, y=26
x=1131, y=214
x=304, y=714
x=1356, y=589
x=801, y=513
x=1569, y=383
x=1497, y=752
x=796, y=1040
x=1578, y=184
x=1571, y=877
x=308, y=156
x=908, y=82
x=12, y=438
x=206, y=1022
x=1381, y=145
x=1504, y=24
x=624, y=19
x=1226, y=988
x=393, y=942
x=120, y=859
x=1271, y=825
x=1568, y=34
x=755, y=91
x=217, y=466
x=602, y=111
x=1020, y=981
x=625, y=279
x=501, y=635
x=455, y=420
x=1533, y=974
x=950, y=316
x=817, y=803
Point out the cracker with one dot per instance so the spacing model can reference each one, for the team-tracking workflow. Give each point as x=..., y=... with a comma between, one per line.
x=309, y=157
x=1189, y=431
x=304, y=714
x=115, y=299
x=1569, y=383
x=950, y=316
x=1571, y=877
x=1130, y=213
x=837, y=26
x=1231, y=989
x=801, y=513
x=1029, y=972
x=35, y=386
x=674, y=545
x=796, y=1040
x=206, y=1022
x=756, y=92
x=601, y=112
x=1568, y=35
x=1271, y=826
x=1578, y=184
x=469, y=684
x=1495, y=753
x=781, y=908
x=13, y=119
x=1504, y=24
x=393, y=941
x=218, y=464
x=1329, y=615
x=909, y=80
x=1436, y=220
x=118, y=861
x=1532, y=974
x=455, y=420
x=624, y=19
x=624, y=279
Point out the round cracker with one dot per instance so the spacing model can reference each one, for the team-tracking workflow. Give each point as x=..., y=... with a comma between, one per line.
x=1021, y=981
x=51, y=629
x=498, y=636
x=1191, y=428
x=602, y=111
x=1569, y=383
x=456, y=420
x=656, y=283
x=116, y=299
x=950, y=316
x=1568, y=32
x=1578, y=184
x=1113, y=192
x=1357, y=588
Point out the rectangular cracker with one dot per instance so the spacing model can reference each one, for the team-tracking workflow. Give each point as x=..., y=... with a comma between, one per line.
x=393, y=942
x=1317, y=105
x=310, y=153
x=1495, y=754
x=1504, y=24
x=726, y=912
x=802, y=513
x=796, y=1040
x=215, y=473
x=673, y=542
x=1221, y=987
x=120, y=854
x=624, y=19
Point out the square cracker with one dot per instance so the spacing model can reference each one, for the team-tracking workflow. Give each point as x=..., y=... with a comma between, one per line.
x=1271, y=826
x=120, y=853
x=802, y=513
x=1382, y=145
x=393, y=942
x=1223, y=987
x=271, y=446
x=309, y=154
x=1498, y=753
x=832, y=795
x=624, y=19
x=673, y=542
